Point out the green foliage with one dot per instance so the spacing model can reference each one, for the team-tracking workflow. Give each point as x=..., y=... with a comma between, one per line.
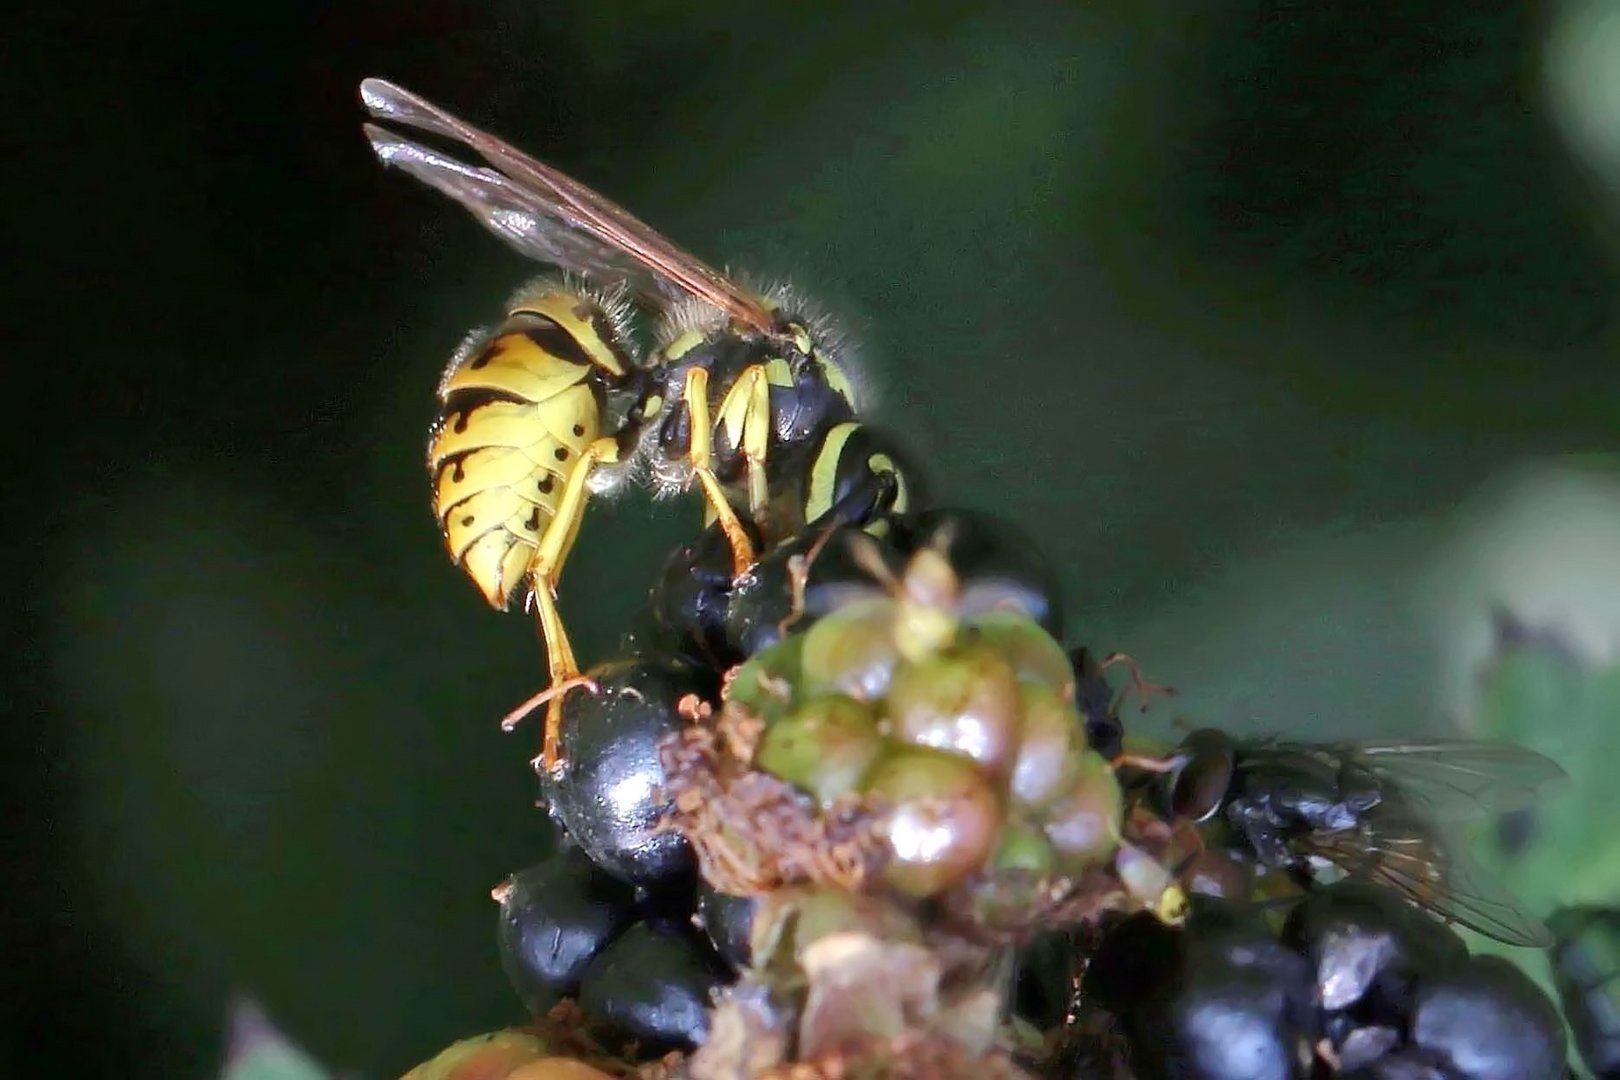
x=1536, y=693
x=274, y=1062
x=259, y=1052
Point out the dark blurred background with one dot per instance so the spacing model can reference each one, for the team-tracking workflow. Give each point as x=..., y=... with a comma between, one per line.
x=1270, y=319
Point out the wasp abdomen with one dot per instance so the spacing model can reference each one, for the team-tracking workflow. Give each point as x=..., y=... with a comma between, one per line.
x=517, y=414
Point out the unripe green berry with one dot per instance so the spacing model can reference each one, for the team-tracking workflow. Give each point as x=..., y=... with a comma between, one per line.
x=1049, y=745
x=825, y=746
x=1034, y=654
x=964, y=701
x=1083, y=823
x=941, y=822
x=797, y=916
x=851, y=651
x=1022, y=848
x=765, y=684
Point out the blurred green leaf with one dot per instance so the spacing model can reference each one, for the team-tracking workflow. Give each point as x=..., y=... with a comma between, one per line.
x=1538, y=694
x=275, y=1063
x=260, y=1052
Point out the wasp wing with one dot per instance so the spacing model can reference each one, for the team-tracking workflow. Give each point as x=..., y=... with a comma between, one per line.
x=545, y=214
x=1435, y=876
x=515, y=215
x=1456, y=779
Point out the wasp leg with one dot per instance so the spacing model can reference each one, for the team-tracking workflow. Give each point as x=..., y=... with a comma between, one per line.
x=745, y=417
x=564, y=672
x=700, y=457
x=544, y=571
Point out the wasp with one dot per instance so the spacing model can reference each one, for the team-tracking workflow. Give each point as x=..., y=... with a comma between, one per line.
x=1379, y=811
x=746, y=394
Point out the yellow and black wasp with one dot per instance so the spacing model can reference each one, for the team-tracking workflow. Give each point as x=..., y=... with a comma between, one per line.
x=746, y=393
x=1380, y=811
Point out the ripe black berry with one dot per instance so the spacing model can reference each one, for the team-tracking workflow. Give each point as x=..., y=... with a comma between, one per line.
x=691, y=597
x=653, y=986
x=1226, y=1001
x=1485, y=1020
x=607, y=794
x=1361, y=938
x=554, y=917
x=729, y=922
x=797, y=582
x=1135, y=956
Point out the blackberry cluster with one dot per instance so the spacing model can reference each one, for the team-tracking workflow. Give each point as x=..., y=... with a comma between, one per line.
x=859, y=812
x=618, y=922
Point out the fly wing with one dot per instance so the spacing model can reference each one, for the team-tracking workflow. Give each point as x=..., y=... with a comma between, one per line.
x=545, y=214
x=1435, y=876
x=1456, y=779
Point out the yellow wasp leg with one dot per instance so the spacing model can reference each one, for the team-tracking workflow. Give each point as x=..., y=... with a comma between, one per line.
x=700, y=457
x=756, y=433
x=745, y=417
x=558, y=538
x=544, y=572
